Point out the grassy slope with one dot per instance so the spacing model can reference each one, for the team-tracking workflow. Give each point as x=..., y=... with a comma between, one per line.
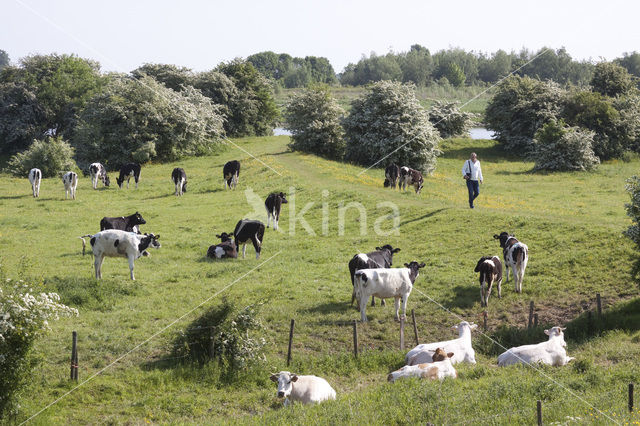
x=571, y=222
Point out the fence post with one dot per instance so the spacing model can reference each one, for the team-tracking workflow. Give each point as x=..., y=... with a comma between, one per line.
x=599, y=304
x=355, y=338
x=630, y=397
x=290, y=341
x=535, y=319
x=415, y=326
x=402, y=332
x=74, y=356
x=539, y=410
x=530, y=315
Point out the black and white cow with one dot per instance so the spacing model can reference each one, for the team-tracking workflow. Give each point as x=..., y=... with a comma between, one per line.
x=126, y=171
x=35, y=177
x=381, y=258
x=70, y=181
x=124, y=223
x=97, y=171
x=273, y=203
x=226, y=249
x=117, y=243
x=410, y=177
x=230, y=173
x=249, y=230
x=516, y=256
x=391, y=174
x=179, y=178
x=490, y=269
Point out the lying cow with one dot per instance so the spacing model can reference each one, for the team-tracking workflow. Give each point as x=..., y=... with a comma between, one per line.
x=226, y=249
x=461, y=347
x=273, y=203
x=305, y=389
x=98, y=172
x=551, y=352
x=385, y=283
x=411, y=177
x=516, y=256
x=117, y=243
x=381, y=258
x=126, y=172
x=249, y=230
x=124, y=223
x=391, y=174
x=490, y=269
x=35, y=177
x=179, y=178
x=440, y=368
x=70, y=181
x=231, y=173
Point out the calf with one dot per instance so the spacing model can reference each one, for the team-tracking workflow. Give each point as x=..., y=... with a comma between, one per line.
x=461, y=347
x=391, y=174
x=97, y=171
x=226, y=249
x=385, y=283
x=117, y=243
x=35, y=177
x=230, y=173
x=490, y=269
x=440, y=368
x=126, y=171
x=516, y=256
x=551, y=352
x=381, y=258
x=411, y=177
x=273, y=203
x=249, y=230
x=70, y=181
x=124, y=223
x=179, y=178
x=306, y=389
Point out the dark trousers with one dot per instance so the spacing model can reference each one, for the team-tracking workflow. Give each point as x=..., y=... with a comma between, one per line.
x=474, y=190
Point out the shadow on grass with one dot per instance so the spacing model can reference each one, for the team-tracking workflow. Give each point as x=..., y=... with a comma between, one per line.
x=89, y=293
x=464, y=296
x=278, y=153
x=425, y=216
x=167, y=195
x=15, y=197
x=329, y=308
x=210, y=191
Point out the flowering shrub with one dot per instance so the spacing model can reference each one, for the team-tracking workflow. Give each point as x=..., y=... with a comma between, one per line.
x=557, y=146
x=447, y=118
x=24, y=316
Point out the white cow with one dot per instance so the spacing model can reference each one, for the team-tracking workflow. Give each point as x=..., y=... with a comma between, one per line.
x=35, y=177
x=306, y=389
x=435, y=370
x=117, y=243
x=98, y=172
x=70, y=181
x=461, y=347
x=551, y=352
x=385, y=283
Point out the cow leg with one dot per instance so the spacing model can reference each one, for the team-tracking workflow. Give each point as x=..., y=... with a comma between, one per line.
x=506, y=268
x=276, y=219
x=131, y=261
x=268, y=217
x=136, y=179
x=481, y=293
x=397, y=305
x=256, y=245
x=244, y=249
x=405, y=299
x=97, y=263
x=489, y=286
x=363, y=308
x=500, y=289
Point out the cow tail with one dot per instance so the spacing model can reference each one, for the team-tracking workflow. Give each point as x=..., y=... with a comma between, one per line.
x=84, y=243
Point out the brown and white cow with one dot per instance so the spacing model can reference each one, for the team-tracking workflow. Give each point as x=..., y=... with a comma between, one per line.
x=490, y=269
x=226, y=249
x=411, y=177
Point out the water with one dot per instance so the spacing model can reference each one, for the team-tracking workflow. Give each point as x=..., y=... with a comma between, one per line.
x=279, y=131
x=480, y=133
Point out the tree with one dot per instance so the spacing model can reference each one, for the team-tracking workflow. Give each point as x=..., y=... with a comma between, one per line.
x=219, y=88
x=493, y=69
x=22, y=118
x=611, y=79
x=51, y=156
x=4, y=59
x=447, y=118
x=313, y=117
x=389, y=121
x=559, y=147
x=631, y=62
x=371, y=69
x=417, y=65
x=171, y=76
x=453, y=73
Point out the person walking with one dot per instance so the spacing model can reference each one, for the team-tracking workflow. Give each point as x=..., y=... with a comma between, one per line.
x=472, y=173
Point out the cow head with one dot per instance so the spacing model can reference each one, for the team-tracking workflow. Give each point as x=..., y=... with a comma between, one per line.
x=137, y=218
x=106, y=180
x=390, y=250
x=503, y=237
x=413, y=269
x=419, y=183
x=284, y=379
x=283, y=197
x=481, y=261
x=555, y=331
x=119, y=181
x=224, y=237
x=463, y=327
x=184, y=187
x=154, y=240
x=440, y=355
x=387, y=183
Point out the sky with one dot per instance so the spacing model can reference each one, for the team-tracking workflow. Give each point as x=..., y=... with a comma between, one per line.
x=199, y=34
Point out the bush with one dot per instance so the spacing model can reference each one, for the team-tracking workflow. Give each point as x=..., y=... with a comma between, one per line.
x=559, y=147
x=449, y=120
x=611, y=79
x=24, y=317
x=51, y=156
x=22, y=117
x=388, y=120
x=313, y=117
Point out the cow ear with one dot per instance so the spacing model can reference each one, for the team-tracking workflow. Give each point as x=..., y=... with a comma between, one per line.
x=422, y=265
x=473, y=326
x=547, y=332
x=157, y=237
x=450, y=354
x=218, y=236
x=454, y=327
x=378, y=248
x=274, y=378
x=395, y=250
x=406, y=264
x=496, y=236
x=563, y=328
x=294, y=378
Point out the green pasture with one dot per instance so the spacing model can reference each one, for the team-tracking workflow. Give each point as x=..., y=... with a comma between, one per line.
x=572, y=223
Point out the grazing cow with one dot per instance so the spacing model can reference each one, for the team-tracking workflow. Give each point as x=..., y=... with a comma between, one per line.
x=226, y=249
x=70, y=181
x=385, y=283
x=411, y=177
x=306, y=389
x=440, y=368
x=391, y=174
x=179, y=178
x=230, y=173
x=551, y=352
x=381, y=258
x=124, y=223
x=461, y=347
x=117, y=243
x=249, y=230
x=97, y=171
x=35, y=177
x=273, y=203
x=490, y=269
x=126, y=171
x=516, y=256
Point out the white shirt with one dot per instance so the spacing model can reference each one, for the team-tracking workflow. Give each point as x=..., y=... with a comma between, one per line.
x=476, y=171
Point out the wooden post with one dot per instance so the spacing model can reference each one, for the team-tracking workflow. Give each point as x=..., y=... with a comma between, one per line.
x=539, y=410
x=485, y=316
x=415, y=326
x=630, y=397
x=355, y=338
x=535, y=319
x=74, y=356
x=402, y=332
x=530, y=315
x=599, y=304
x=290, y=341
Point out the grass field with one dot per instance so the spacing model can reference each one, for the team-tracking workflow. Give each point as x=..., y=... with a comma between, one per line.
x=571, y=222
